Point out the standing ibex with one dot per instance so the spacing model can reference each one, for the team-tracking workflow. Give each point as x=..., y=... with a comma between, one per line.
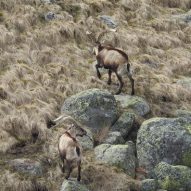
x=68, y=146
x=112, y=59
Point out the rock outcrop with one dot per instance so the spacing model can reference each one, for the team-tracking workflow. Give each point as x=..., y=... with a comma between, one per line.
x=27, y=166
x=69, y=185
x=114, y=138
x=124, y=124
x=173, y=178
x=94, y=108
x=121, y=156
x=133, y=103
x=164, y=139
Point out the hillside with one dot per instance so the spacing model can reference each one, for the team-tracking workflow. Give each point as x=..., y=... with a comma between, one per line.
x=46, y=57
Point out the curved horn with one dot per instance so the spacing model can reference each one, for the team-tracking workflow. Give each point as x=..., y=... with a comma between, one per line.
x=103, y=33
x=56, y=122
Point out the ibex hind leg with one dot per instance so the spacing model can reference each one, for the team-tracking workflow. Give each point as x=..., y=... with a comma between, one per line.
x=69, y=169
x=120, y=83
x=109, y=75
x=132, y=83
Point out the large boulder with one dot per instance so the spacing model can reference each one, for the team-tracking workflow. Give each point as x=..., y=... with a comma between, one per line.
x=27, y=166
x=94, y=108
x=164, y=139
x=69, y=185
x=135, y=103
x=121, y=156
x=173, y=178
x=124, y=124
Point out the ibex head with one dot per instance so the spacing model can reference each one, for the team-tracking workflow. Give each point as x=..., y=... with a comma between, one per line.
x=77, y=129
x=97, y=41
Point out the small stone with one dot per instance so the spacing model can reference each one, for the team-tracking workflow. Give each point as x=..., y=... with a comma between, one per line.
x=124, y=124
x=149, y=185
x=114, y=138
x=109, y=21
x=50, y=16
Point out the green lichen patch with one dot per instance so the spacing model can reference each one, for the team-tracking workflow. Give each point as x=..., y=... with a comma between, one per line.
x=187, y=159
x=188, y=127
x=170, y=184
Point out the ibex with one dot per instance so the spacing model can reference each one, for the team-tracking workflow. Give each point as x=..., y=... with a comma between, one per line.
x=112, y=58
x=69, y=148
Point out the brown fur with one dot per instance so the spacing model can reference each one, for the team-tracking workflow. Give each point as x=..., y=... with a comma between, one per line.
x=111, y=58
x=70, y=150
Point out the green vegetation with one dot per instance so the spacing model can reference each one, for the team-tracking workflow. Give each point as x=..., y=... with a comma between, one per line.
x=170, y=184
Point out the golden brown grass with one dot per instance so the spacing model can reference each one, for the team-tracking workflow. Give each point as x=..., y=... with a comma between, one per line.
x=44, y=62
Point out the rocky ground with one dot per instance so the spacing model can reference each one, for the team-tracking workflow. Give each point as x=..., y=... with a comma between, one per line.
x=134, y=143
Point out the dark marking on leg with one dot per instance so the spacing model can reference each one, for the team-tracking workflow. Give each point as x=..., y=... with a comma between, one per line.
x=132, y=83
x=98, y=73
x=79, y=171
x=69, y=169
x=78, y=151
x=109, y=79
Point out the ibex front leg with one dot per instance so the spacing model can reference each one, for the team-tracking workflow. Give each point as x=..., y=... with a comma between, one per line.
x=98, y=72
x=79, y=170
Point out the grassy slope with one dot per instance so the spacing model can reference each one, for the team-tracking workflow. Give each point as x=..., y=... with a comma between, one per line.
x=42, y=63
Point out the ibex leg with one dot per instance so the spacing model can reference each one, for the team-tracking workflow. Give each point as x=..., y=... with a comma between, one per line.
x=109, y=79
x=132, y=83
x=121, y=83
x=69, y=169
x=98, y=72
x=79, y=171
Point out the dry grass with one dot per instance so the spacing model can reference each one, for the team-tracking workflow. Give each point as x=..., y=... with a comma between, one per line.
x=43, y=62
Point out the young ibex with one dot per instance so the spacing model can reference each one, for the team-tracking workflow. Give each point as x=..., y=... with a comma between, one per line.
x=112, y=59
x=69, y=148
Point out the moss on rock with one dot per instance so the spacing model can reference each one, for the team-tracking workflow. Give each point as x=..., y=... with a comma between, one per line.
x=173, y=178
